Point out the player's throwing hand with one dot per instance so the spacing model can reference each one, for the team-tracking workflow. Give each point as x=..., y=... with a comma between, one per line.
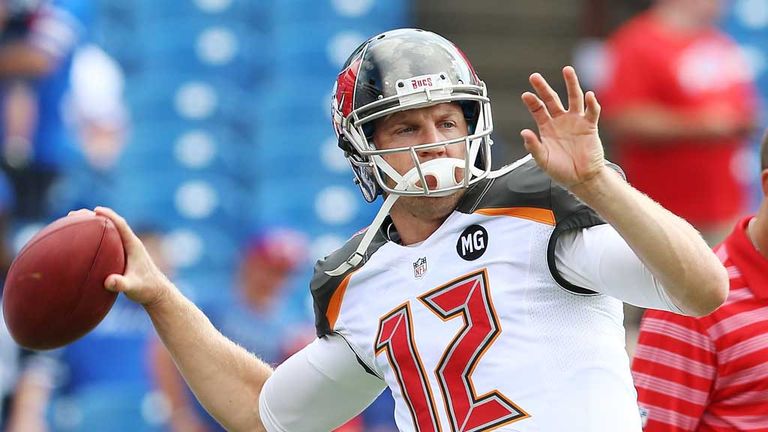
x=569, y=148
x=142, y=282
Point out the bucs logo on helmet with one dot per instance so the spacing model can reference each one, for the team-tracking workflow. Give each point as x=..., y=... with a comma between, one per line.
x=400, y=70
x=344, y=88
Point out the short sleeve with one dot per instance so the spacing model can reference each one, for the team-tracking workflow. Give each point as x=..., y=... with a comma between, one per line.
x=599, y=258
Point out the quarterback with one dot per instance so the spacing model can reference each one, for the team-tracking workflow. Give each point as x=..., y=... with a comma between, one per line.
x=485, y=300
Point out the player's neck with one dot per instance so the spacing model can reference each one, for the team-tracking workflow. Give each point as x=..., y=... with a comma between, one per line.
x=413, y=229
x=757, y=230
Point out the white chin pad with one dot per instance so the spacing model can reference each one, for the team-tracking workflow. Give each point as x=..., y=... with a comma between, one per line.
x=439, y=174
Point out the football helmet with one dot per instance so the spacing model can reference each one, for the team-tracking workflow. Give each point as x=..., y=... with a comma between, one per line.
x=400, y=70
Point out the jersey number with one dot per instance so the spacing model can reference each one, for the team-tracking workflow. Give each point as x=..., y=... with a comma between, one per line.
x=467, y=298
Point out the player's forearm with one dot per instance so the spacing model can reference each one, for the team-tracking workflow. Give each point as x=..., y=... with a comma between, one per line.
x=225, y=377
x=670, y=247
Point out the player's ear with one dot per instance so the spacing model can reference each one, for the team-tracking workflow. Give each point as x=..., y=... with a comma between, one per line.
x=764, y=182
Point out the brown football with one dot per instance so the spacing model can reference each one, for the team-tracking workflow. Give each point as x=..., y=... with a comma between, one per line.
x=54, y=292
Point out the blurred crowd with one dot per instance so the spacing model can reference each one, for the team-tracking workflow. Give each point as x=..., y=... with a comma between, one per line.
x=681, y=112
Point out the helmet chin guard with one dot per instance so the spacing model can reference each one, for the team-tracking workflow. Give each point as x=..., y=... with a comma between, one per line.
x=442, y=177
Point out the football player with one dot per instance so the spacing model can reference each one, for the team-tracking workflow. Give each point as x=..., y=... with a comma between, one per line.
x=485, y=300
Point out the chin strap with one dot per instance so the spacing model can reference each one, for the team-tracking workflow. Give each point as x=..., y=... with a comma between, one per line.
x=357, y=257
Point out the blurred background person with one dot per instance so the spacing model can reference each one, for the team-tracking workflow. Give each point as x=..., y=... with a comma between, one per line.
x=680, y=100
x=35, y=61
x=95, y=113
x=680, y=103
x=95, y=106
x=708, y=373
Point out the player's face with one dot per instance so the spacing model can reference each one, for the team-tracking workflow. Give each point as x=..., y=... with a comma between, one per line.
x=421, y=126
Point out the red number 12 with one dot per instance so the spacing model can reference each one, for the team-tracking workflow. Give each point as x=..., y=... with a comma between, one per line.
x=467, y=297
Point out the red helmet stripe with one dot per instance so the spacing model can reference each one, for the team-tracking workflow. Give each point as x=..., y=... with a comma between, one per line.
x=346, y=86
x=466, y=60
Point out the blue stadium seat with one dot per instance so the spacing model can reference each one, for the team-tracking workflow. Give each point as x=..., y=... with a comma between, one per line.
x=385, y=13
x=157, y=147
x=118, y=407
x=154, y=194
x=230, y=11
x=270, y=122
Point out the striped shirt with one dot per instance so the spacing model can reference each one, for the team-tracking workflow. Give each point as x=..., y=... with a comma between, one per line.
x=711, y=373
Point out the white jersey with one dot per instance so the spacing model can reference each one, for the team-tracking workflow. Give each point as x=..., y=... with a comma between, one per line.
x=475, y=329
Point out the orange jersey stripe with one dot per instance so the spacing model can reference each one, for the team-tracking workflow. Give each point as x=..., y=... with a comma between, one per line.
x=540, y=215
x=334, y=306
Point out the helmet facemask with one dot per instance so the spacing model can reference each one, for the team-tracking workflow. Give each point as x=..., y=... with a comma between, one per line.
x=369, y=162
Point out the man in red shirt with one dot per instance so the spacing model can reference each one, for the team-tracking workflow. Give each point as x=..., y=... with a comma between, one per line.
x=679, y=99
x=711, y=373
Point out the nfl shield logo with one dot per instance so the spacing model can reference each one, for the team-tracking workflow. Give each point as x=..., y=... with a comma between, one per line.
x=420, y=267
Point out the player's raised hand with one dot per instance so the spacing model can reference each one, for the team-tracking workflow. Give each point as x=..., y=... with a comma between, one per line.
x=568, y=146
x=142, y=281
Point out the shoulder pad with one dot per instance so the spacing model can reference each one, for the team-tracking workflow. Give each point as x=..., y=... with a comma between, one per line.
x=323, y=286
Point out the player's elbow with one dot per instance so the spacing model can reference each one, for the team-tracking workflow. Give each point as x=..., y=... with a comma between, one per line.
x=248, y=421
x=711, y=292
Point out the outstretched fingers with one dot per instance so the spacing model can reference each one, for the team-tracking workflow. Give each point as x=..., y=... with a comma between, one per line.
x=592, y=113
x=547, y=94
x=536, y=107
x=535, y=147
x=575, y=93
x=130, y=241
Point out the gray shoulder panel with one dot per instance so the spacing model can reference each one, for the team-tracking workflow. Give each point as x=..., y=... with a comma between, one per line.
x=323, y=286
x=524, y=184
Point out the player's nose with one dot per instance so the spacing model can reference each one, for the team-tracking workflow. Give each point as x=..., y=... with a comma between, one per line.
x=432, y=135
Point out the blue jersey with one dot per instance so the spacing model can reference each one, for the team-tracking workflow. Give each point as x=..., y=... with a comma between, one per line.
x=57, y=30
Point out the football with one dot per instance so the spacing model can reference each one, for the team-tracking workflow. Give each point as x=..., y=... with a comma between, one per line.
x=54, y=292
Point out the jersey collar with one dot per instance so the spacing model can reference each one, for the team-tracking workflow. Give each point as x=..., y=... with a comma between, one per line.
x=751, y=264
